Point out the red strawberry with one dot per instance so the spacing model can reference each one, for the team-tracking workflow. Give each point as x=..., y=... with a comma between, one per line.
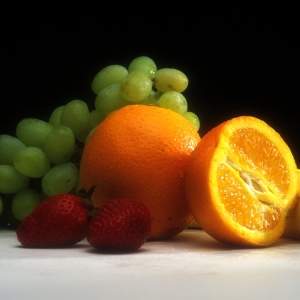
x=120, y=225
x=59, y=221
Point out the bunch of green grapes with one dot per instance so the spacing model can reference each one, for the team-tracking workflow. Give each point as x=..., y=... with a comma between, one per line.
x=43, y=157
x=142, y=83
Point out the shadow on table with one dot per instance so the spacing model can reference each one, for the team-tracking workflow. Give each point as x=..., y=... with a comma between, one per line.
x=198, y=239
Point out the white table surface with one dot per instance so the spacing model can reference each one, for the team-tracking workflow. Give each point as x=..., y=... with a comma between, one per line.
x=190, y=266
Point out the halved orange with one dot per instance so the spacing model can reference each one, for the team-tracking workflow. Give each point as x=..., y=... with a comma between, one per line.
x=292, y=229
x=241, y=182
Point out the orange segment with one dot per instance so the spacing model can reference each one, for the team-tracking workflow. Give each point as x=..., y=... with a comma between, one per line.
x=241, y=182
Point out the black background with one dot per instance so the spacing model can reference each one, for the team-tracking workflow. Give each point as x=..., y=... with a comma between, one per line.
x=237, y=62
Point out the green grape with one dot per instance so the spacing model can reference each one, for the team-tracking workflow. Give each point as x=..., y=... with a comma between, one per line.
x=152, y=98
x=32, y=132
x=168, y=79
x=11, y=180
x=78, y=186
x=107, y=76
x=32, y=162
x=193, y=118
x=136, y=86
x=9, y=146
x=10, y=220
x=95, y=118
x=60, y=179
x=75, y=115
x=55, y=116
x=143, y=64
x=3, y=210
x=24, y=203
x=42, y=195
x=89, y=135
x=174, y=101
x=109, y=100
x=59, y=144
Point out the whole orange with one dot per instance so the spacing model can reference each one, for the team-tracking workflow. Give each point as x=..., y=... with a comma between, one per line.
x=142, y=152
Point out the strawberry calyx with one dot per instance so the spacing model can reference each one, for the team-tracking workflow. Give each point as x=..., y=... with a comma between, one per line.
x=86, y=197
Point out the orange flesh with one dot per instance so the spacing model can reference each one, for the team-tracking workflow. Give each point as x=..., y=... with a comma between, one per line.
x=247, y=180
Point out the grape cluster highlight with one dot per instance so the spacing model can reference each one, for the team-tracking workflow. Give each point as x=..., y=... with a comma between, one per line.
x=43, y=157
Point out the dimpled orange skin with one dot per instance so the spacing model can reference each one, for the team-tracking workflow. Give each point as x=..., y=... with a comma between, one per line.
x=141, y=152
